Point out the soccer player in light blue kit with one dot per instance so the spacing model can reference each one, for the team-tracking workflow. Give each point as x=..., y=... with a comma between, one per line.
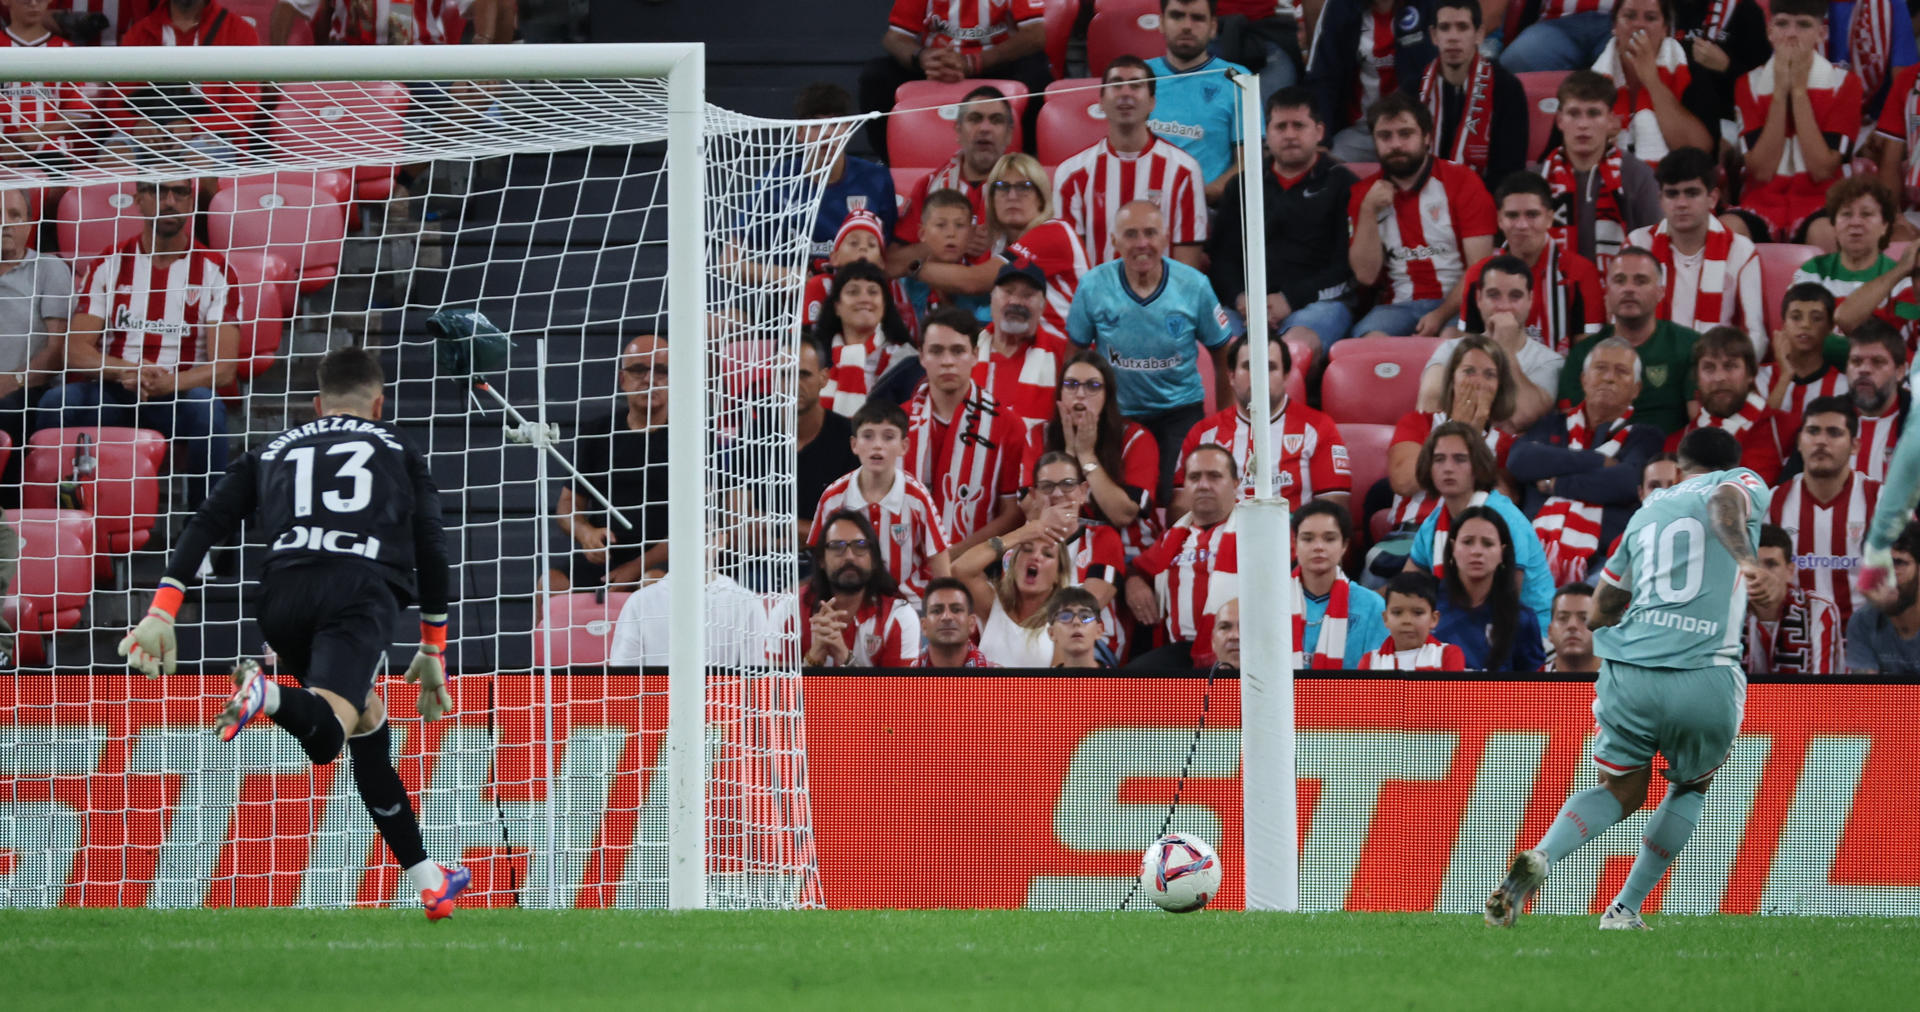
x=1667, y=620
x=1891, y=515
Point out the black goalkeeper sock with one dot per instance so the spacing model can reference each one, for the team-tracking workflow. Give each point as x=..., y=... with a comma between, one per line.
x=385, y=796
x=312, y=723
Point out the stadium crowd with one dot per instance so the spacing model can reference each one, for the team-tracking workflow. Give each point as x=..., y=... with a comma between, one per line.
x=1039, y=373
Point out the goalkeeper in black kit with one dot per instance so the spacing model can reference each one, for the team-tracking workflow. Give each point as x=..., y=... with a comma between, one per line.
x=352, y=519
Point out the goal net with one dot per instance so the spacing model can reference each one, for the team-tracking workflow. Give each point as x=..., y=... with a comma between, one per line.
x=613, y=745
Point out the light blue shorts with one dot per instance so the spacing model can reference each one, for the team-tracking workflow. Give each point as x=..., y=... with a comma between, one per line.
x=1688, y=716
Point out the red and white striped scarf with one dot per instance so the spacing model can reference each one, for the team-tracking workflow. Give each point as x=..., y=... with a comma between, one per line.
x=1472, y=140
x=1910, y=105
x=962, y=481
x=1719, y=20
x=1609, y=224
x=1433, y=655
x=1333, y=627
x=1737, y=423
x=1440, y=525
x=1559, y=329
x=1870, y=43
x=1800, y=643
x=1715, y=276
x=1569, y=529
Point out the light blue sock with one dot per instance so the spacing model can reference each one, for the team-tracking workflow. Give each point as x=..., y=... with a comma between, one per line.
x=1584, y=816
x=1668, y=831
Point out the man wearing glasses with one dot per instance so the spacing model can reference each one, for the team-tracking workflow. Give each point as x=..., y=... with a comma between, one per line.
x=624, y=456
x=153, y=338
x=851, y=613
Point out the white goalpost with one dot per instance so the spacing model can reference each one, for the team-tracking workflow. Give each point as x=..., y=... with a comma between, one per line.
x=569, y=782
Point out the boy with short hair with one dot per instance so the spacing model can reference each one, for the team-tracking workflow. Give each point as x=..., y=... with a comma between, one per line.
x=1800, y=371
x=946, y=223
x=900, y=509
x=1796, y=115
x=1599, y=195
x=1413, y=613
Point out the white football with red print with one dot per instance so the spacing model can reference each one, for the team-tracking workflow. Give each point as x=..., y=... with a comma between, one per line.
x=1180, y=873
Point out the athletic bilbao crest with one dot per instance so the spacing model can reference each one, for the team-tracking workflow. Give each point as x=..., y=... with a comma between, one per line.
x=898, y=531
x=1291, y=443
x=856, y=202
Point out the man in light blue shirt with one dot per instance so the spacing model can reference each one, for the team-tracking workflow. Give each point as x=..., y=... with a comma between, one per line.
x=1148, y=315
x=1196, y=106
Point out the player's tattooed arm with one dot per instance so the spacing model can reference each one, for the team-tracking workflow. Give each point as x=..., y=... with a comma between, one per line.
x=1609, y=603
x=1727, y=516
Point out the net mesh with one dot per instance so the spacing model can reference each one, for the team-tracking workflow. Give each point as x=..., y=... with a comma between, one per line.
x=349, y=213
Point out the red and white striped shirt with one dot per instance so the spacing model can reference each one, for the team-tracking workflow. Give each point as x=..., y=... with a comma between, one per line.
x=946, y=177
x=1831, y=382
x=1056, y=249
x=1878, y=434
x=1550, y=9
x=1786, y=199
x=1640, y=134
x=1092, y=186
x=1414, y=427
x=1096, y=554
x=971, y=462
x=1311, y=459
x=1432, y=655
x=1828, y=538
x=1805, y=640
x=160, y=315
x=1139, y=475
x=857, y=368
x=885, y=633
x=1191, y=566
x=1024, y=382
x=970, y=26
x=1421, y=233
x=906, y=518
x=1378, y=74
x=1706, y=290
x=358, y=23
x=38, y=105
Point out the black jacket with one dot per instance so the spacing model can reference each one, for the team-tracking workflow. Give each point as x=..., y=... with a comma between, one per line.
x=1709, y=93
x=1307, y=233
x=1335, y=64
x=1506, y=147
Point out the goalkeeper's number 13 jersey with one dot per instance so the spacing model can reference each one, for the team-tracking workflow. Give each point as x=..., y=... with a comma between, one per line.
x=1689, y=604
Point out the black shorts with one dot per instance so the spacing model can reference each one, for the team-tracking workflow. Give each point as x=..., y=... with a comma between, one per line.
x=330, y=623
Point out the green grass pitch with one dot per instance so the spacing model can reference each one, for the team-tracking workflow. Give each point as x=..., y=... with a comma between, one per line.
x=273, y=960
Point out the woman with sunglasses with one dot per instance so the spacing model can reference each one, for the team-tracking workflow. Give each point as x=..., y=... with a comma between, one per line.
x=1021, y=226
x=1118, y=458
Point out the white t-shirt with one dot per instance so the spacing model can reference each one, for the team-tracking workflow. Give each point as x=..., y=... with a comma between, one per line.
x=736, y=625
x=1541, y=363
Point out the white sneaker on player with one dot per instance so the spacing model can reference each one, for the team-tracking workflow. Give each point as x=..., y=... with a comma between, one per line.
x=247, y=701
x=1524, y=876
x=1619, y=918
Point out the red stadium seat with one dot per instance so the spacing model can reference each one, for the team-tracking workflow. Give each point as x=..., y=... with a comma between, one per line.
x=925, y=113
x=1895, y=249
x=337, y=184
x=1060, y=18
x=1070, y=122
x=1362, y=170
x=1403, y=346
x=6, y=450
x=904, y=180
x=582, y=627
x=1542, y=104
x=1367, y=453
x=1778, y=261
x=361, y=121
x=1123, y=26
x=123, y=498
x=1375, y=385
x=268, y=293
x=54, y=579
x=93, y=220
x=293, y=221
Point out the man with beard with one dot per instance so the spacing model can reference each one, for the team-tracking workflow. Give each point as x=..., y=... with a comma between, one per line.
x=1468, y=93
x=1361, y=53
x=1018, y=361
x=1827, y=506
x=1197, y=108
x=1417, y=223
x=1310, y=461
x=1723, y=371
x=1580, y=471
x=1195, y=563
x=153, y=336
x=1789, y=631
x=1884, y=637
x=1309, y=283
x=1634, y=293
x=948, y=627
x=1568, y=634
x=852, y=610
x=985, y=128
x=1129, y=165
x=1876, y=369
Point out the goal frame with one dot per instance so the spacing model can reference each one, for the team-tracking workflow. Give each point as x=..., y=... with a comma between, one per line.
x=683, y=66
